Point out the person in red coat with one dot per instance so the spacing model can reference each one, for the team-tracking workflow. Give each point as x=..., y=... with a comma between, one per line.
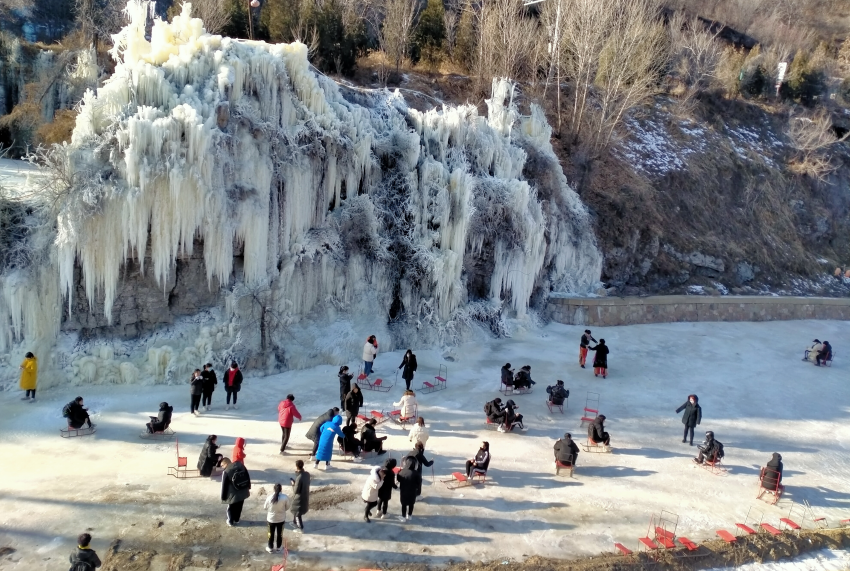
x=239, y=451
x=286, y=414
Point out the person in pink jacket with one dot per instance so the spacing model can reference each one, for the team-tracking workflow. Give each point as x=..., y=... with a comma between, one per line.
x=286, y=413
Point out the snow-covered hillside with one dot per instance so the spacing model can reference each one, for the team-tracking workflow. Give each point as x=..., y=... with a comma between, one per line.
x=309, y=204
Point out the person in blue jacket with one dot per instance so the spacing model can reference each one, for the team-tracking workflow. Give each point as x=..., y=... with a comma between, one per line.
x=326, y=441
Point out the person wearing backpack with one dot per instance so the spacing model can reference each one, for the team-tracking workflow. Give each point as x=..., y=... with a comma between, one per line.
x=84, y=558
x=709, y=451
x=76, y=414
x=276, y=506
x=235, y=489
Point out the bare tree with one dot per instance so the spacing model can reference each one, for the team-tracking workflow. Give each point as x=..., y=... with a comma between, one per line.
x=395, y=20
x=812, y=137
x=214, y=13
x=451, y=19
x=696, y=54
x=507, y=40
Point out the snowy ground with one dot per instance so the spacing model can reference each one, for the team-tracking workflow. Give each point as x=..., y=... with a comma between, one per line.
x=757, y=396
x=825, y=560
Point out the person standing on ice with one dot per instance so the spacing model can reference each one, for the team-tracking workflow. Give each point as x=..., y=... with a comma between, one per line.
x=691, y=417
x=418, y=454
x=286, y=415
x=239, y=451
x=235, y=489
x=316, y=428
x=409, y=486
x=326, y=441
x=370, y=490
x=210, y=381
x=409, y=364
x=370, y=351
x=232, y=384
x=388, y=484
x=418, y=433
x=353, y=402
x=344, y=385
x=84, y=558
x=276, y=506
x=196, y=384
x=29, y=376
x=300, y=496
x=600, y=360
x=586, y=338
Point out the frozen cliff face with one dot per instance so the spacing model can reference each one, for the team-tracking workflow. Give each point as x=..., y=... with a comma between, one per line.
x=312, y=203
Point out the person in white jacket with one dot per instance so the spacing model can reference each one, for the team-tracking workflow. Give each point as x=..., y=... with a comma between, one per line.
x=276, y=506
x=370, y=351
x=418, y=433
x=407, y=404
x=370, y=490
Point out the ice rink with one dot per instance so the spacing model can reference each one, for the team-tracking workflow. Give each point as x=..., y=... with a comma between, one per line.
x=756, y=394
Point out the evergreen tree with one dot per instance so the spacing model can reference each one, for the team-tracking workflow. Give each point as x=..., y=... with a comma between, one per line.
x=429, y=35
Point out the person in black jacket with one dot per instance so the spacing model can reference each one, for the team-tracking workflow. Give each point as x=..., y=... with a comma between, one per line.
x=196, y=384
x=209, y=457
x=349, y=442
x=566, y=451
x=481, y=460
x=600, y=359
x=691, y=417
x=522, y=380
x=370, y=439
x=84, y=555
x=232, y=384
x=773, y=474
x=507, y=376
x=76, y=414
x=586, y=338
x=315, y=428
x=710, y=450
x=409, y=484
x=388, y=484
x=558, y=394
x=418, y=454
x=409, y=364
x=210, y=381
x=300, y=503
x=232, y=493
x=512, y=419
x=494, y=411
x=353, y=402
x=162, y=420
x=824, y=355
x=596, y=431
x=344, y=384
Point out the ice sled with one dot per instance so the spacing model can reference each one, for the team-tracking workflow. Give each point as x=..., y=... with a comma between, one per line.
x=166, y=434
x=439, y=383
x=597, y=447
x=74, y=432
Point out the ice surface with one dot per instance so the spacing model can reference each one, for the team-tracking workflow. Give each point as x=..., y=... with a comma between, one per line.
x=757, y=396
x=317, y=202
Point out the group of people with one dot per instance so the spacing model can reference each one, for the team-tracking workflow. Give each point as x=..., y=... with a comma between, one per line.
x=407, y=479
x=202, y=384
x=519, y=381
x=600, y=358
x=819, y=353
x=505, y=416
x=711, y=450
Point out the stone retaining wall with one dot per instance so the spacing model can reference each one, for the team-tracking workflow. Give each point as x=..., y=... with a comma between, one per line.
x=608, y=311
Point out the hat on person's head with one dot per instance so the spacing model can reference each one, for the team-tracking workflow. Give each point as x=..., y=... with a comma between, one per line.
x=587, y=330
x=817, y=341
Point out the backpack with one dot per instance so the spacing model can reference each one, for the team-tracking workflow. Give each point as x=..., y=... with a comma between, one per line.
x=240, y=479
x=719, y=454
x=81, y=566
x=66, y=411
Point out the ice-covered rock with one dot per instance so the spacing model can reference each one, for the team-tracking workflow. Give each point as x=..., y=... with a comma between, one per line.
x=312, y=202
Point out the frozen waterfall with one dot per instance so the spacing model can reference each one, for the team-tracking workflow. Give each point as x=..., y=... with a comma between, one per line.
x=313, y=204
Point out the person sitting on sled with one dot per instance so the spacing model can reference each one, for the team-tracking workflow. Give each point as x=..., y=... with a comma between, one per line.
x=76, y=414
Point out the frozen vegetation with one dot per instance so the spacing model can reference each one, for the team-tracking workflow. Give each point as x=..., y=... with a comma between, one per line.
x=322, y=213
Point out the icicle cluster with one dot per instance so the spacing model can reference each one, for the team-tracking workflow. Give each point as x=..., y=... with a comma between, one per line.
x=321, y=198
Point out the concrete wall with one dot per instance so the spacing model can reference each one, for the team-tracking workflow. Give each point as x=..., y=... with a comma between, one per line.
x=670, y=308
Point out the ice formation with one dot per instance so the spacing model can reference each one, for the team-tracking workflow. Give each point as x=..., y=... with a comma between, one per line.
x=312, y=201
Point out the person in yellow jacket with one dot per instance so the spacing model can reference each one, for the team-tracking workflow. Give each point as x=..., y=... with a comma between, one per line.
x=29, y=376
